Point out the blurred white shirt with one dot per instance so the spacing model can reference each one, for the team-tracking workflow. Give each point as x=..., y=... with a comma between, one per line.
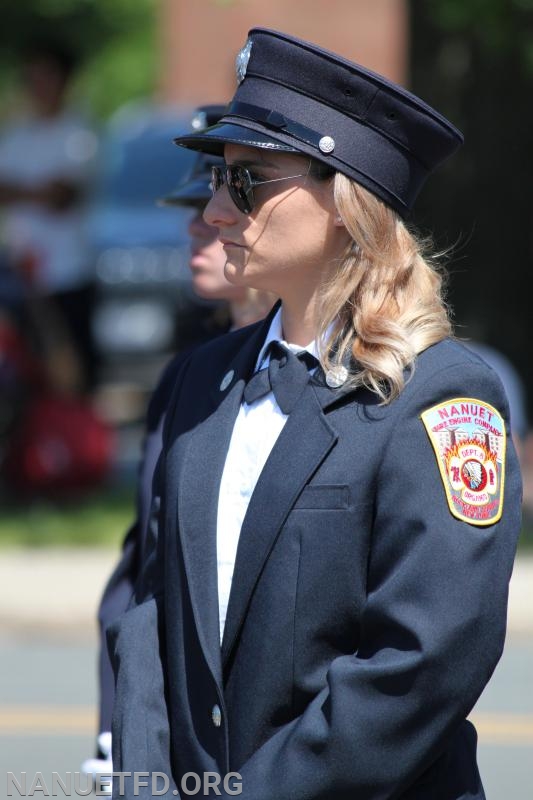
x=36, y=151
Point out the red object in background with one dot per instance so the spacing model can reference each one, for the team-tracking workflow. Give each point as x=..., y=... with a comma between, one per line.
x=15, y=358
x=54, y=444
x=59, y=446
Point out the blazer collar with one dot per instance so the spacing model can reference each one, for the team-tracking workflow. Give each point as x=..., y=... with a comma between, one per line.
x=196, y=468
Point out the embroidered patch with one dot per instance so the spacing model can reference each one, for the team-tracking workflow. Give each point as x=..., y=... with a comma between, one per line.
x=468, y=437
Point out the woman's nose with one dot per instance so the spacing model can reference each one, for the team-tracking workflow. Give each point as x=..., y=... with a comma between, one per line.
x=220, y=210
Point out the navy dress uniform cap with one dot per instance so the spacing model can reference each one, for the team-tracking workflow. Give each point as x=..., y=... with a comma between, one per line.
x=294, y=96
x=207, y=115
x=195, y=189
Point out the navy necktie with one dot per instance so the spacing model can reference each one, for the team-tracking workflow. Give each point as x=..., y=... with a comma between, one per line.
x=286, y=376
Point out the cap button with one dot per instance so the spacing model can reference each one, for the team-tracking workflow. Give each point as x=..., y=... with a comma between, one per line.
x=326, y=144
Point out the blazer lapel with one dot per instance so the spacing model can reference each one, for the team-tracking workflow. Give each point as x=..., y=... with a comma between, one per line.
x=303, y=443
x=197, y=476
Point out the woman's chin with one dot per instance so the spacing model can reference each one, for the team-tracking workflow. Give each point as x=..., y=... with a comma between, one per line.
x=239, y=274
x=235, y=273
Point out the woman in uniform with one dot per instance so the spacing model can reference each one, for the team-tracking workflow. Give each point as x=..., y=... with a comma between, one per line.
x=338, y=498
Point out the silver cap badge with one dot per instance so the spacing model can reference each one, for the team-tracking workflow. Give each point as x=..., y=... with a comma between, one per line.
x=326, y=144
x=241, y=62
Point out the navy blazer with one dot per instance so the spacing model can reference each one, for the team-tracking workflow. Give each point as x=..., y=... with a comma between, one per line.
x=364, y=618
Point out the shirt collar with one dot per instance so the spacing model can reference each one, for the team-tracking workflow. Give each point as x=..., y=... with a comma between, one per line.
x=275, y=334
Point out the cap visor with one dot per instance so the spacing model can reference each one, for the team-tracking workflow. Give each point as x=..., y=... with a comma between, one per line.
x=212, y=140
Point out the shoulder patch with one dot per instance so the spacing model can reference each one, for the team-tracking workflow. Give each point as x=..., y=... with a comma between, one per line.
x=468, y=437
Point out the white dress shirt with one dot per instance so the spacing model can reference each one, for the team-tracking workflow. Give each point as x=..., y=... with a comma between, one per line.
x=256, y=429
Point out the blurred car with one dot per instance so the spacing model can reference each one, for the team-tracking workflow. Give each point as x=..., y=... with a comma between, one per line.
x=145, y=308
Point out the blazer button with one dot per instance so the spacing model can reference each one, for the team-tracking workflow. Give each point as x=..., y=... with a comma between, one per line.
x=216, y=716
x=226, y=380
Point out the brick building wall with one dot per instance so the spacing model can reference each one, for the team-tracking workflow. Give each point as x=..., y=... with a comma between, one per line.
x=200, y=38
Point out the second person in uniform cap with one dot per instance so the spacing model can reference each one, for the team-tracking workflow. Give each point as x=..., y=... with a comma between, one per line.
x=340, y=501
x=240, y=306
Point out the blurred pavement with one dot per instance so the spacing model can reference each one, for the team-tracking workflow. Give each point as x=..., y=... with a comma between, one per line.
x=57, y=588
x=48, y=692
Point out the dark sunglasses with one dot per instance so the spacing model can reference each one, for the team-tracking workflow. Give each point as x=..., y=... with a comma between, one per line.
x=241, y=184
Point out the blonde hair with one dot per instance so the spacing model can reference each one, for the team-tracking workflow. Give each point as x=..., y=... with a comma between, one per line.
x=384, y=302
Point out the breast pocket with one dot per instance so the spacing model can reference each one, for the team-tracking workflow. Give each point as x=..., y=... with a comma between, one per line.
x=324, y=496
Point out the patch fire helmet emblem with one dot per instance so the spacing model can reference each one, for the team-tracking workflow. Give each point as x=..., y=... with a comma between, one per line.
x=468, y=437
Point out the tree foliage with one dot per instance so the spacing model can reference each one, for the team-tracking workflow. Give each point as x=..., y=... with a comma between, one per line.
x=474, y=61
x=113, y=39
x=496, y=27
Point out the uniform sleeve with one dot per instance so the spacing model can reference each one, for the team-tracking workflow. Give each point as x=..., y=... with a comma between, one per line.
x=120, y=587
x=432, y=629
x=141, y=536
x=141, y=732
x=140, y=724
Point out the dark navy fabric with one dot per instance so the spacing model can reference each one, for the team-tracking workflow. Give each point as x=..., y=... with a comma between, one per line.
x=119, y=588
x=297, y=96
x=286, y=375
x=364, y=619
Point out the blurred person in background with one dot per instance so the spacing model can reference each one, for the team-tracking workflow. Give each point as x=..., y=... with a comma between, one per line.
x=47, y=162
x=240, y=306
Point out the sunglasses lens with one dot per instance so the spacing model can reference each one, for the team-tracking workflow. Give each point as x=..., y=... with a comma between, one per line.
x=240, y=187
x=217, y=179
